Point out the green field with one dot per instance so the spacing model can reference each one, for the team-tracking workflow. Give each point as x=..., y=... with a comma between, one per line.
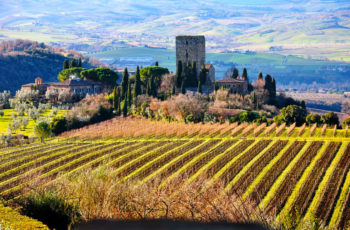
x=4, y=122
x=281, y=67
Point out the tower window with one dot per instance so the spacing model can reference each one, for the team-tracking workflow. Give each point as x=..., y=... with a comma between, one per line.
x=186, y=55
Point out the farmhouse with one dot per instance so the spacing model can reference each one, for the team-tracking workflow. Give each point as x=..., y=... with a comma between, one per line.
x=70, y=85
x=234, y=85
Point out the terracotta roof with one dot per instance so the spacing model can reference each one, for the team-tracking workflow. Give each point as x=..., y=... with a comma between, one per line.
x=230, y=80
x=70, y=82
x=208, y=66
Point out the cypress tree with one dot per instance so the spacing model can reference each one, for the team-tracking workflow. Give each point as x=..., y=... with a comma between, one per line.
x=174, y=91
x=115, y=99
x=245, y=75
x=153, y=89
x=125, y=108
x=117, y=105
x=65, y=64
x=79, y=63
x=72, y=63
x=216, y=86
x=194, y=79
x=203, y=75
x=178, y=76
x=129, y=95
x=260, y=77
x=235, y=73
x=183, y=89
x=137, y=84
x=273, y=88
x=157, y=63
x=149, y=87
x=199, y=89
x=124, y=84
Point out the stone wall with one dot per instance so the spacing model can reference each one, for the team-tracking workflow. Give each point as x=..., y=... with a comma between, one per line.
x=189, y=49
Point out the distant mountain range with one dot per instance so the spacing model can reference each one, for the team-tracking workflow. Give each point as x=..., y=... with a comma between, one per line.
x=309, y=28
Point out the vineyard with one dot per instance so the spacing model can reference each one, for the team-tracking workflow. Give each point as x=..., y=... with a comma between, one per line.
x=286, y=171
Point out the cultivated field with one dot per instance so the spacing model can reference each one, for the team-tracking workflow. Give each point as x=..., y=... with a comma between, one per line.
x=286, y=171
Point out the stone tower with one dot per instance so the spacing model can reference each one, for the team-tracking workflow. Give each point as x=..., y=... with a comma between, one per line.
x=189, y=49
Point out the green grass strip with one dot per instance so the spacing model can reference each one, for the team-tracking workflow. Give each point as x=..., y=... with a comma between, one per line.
x=339, y=208
x=247, y=166
x=289, y=203
x=272, y=192
x=321, y=188
x=263, y=172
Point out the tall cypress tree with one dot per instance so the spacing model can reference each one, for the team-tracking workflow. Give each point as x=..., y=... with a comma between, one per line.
x=199, y=89
x=260, y=76
x=65, y=64
x=273, y=95
x=268, y=85
x=183, y=89
x=194, y=79
x=72, y=63
x=117, y=105
x=235, y=73
x=115, y=99
x=124, y=84
x=125, y=107
x=245, y=75
x=149, y=88
x=178, y=76
x=129, y=95
x=137, y=84
x=79, y=63
x=157, y=63
x=203, y=75
x=216, y=86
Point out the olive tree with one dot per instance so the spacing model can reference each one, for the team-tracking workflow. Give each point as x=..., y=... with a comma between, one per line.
x=42, y=130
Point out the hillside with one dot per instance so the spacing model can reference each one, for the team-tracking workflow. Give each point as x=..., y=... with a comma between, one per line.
x=254, y=161
x=309, y=28
x=22, y=61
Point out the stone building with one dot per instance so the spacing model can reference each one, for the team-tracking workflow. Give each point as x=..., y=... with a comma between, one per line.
x=190, y=49
x=72, y=85
x=210, y=73
x=234, y=85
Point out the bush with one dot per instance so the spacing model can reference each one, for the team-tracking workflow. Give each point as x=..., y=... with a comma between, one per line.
x=330, y=119
x=58, y=125
x=291, y=114
x=346, y=123
x=246, y=116
x=313, y=118
x=51, y=209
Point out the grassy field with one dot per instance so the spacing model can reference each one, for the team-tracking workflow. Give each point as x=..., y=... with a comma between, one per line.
x=254, y=161
x=281, y=67
x=28, y=131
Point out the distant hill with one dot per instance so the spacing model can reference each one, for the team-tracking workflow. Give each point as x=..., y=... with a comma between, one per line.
x=21, y=61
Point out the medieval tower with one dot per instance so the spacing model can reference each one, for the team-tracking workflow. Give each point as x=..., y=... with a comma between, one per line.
x=190, y=49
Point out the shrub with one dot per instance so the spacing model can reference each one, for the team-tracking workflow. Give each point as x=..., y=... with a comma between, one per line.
x=346, y=123
x=313, y=118
x=51, y=209
x=291, y=114
x=330, y=119
x=58, y=125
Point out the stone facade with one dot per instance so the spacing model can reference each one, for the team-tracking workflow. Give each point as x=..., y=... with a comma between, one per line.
x=189, y=49
x=234, y=85
x=210, y=73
